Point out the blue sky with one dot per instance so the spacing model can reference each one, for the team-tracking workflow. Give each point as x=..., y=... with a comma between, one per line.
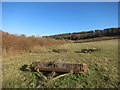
x=48, y=18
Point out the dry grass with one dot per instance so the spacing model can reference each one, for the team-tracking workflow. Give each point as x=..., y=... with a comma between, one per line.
x=96, y=39
x=38, y=49
x=17, y=45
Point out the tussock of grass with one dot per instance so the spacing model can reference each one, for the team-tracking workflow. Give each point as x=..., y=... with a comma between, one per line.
x=103, y=67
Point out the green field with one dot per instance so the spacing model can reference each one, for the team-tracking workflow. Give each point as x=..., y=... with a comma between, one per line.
x=103, y=67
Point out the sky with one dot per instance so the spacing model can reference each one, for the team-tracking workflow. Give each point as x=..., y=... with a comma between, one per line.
x=49, y=18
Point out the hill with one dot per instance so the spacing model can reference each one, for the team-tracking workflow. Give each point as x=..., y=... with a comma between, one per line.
x=87, y=34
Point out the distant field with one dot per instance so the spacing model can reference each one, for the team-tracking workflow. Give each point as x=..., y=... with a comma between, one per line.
x=96, y=39
x=103, y=67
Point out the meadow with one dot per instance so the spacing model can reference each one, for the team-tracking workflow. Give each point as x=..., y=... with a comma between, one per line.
x=102, y=67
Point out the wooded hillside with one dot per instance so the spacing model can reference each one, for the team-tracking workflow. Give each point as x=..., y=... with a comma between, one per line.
x=87, y=34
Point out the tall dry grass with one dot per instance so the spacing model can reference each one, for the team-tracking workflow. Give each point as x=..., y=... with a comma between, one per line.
x=19, y=44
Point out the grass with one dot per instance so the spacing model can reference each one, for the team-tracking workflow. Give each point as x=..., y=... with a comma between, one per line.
x=96, y=39
x=103, y=67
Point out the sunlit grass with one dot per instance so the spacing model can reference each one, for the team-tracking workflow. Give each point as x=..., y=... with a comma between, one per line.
x=103, y=70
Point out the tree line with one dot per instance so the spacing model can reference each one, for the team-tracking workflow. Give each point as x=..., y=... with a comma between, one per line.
x=87, y=34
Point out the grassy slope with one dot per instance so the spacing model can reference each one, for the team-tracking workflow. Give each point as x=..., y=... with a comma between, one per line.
x=102, y=67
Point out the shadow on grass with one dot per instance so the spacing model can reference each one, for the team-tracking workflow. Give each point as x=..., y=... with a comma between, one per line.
x=23, y=68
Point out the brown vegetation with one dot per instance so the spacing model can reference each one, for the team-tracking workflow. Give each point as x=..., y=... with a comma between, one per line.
x=18, y=44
